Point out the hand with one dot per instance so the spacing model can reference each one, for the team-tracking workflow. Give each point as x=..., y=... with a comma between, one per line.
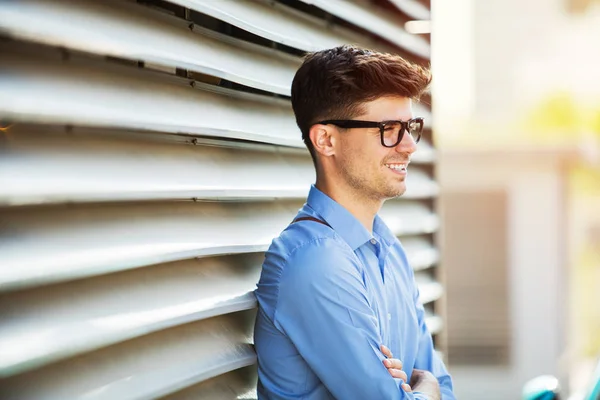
x=394, y=367
x=427, y=383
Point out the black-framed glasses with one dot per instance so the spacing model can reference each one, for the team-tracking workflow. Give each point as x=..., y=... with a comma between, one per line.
x=391, y=132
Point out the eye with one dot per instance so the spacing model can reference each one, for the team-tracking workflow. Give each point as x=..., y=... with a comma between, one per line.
x=391, y=126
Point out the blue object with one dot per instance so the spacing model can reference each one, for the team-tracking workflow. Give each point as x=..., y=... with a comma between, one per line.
x=594, y=388
x=328, y=297
x=544, y=387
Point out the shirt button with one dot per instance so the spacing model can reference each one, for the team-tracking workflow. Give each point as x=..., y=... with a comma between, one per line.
x=373, y=241
x=389, y=316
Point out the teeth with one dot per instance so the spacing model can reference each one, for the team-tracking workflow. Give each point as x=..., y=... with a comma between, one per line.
x=398, y=167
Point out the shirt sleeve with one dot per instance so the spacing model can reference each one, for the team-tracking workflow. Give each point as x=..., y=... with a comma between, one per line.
x=324, y=308
x=427, y=358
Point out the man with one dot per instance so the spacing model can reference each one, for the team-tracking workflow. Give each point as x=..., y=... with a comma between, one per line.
x=336, y=295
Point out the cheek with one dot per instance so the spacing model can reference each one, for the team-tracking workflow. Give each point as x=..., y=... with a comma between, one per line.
x=365, y=154
x=349, y=151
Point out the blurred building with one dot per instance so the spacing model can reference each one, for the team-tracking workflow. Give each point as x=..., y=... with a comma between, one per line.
x=506, y=249
x=510, y=102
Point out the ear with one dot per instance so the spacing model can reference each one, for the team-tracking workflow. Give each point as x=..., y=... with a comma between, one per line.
x=323, y=138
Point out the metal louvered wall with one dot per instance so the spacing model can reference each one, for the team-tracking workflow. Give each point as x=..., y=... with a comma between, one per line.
x=151, y=155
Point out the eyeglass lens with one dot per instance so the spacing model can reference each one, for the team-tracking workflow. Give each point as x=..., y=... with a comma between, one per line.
x=391, y=132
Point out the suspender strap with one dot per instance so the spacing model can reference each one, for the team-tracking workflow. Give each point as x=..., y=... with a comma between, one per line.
x=311, y=219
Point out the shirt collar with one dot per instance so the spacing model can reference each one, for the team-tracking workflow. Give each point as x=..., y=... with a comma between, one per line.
x=342, y=221
x=380, y=228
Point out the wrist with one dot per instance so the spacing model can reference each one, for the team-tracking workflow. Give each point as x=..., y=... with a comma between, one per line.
x=419, y=395
x=426, y=387
x=424, y=394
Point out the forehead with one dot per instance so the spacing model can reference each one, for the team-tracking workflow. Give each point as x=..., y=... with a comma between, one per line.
x=388, y=108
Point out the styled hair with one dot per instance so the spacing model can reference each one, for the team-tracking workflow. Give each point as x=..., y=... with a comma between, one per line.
x=336, y=83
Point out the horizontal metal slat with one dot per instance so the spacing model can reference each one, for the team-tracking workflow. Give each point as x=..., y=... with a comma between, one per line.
x=44, y=89
x=121, y=29
x=422, y=254
x=235, y=385
x=278, y=23
x=377, y=22
x=409, y=217
x=51, y=323
x=145, y=368
x=53, y=244
x=435, y=323
x=429, y=289
x=61, y=243
x=413, y=9
x=42, y=168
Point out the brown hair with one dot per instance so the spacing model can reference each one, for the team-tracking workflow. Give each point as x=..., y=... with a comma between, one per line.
x=335, y=83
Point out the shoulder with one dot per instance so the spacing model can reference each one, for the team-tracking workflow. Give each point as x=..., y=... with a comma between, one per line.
x=303, y=236
x=319, y=252
x=321, y=263
x=311, y=243
x=305, y=245
x=306, y=256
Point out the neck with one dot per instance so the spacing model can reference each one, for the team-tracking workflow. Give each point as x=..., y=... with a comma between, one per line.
x=362, y=207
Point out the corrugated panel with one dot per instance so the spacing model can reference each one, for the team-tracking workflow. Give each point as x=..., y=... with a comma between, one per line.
x=41, y=167
x=46, y=90
x=429, y=289
x=78, y=92
x=279, y=23
x=55, y=322
x=435, y=324
x=136, y=205
x=378, y=22
x=413, y=9
x=236, y=385
x=46, y=324
x=148, y=367
x=120, y=29
x=58, y=243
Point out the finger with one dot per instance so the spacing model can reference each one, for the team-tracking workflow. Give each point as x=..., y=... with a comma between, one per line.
x=406, y=388
x=392, y=363
x=386, y=352
x=398, y=373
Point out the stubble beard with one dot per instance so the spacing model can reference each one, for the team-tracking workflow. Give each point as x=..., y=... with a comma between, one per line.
x=375, y=188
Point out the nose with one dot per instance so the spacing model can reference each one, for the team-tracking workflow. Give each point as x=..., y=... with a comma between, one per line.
x=407, y=144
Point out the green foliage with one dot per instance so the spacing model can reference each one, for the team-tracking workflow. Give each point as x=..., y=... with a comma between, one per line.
x=561, y=115
x=558, y=112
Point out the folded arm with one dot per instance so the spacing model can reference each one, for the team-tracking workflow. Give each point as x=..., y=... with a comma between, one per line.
x=323, y=307
x=427, y=358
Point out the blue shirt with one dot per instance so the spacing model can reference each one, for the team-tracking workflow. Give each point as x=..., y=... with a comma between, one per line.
x=328, y=297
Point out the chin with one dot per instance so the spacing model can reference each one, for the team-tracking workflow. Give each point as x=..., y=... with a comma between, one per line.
x=396, y=192
x=400, y=193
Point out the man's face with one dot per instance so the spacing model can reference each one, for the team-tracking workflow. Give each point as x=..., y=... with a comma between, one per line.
x=373, y=170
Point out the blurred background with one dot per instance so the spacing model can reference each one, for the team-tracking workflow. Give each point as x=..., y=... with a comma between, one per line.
x=517, y=120
x=148, y=155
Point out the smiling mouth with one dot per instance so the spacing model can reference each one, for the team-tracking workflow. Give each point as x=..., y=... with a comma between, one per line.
x=397, y=167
